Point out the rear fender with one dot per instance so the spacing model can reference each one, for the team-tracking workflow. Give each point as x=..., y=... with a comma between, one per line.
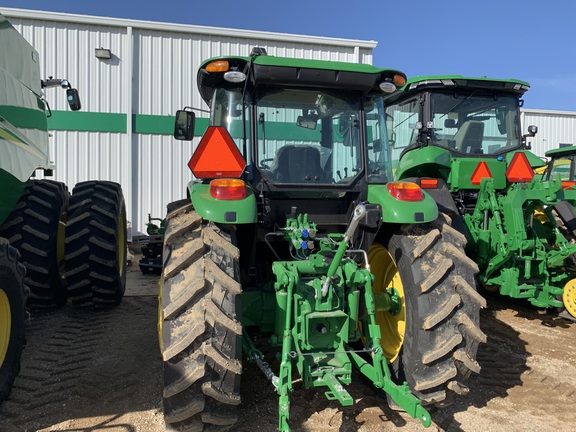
x=397, y=211
x=240, y=211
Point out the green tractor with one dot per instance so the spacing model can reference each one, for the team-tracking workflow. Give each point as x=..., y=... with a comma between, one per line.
x=460, y=139
x=53, y=246
x=294, y=251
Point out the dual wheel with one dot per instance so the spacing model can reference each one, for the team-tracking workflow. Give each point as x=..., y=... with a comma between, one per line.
x=54, y=247
x=73, y=247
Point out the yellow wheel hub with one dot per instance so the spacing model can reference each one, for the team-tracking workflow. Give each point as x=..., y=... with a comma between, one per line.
x=569, y=297
x=386, y=276
x=5, y=325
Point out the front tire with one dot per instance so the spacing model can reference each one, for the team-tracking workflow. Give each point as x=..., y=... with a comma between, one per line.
x=13, y=316
x=433, y=341
x=200, y=323
x=96, y=244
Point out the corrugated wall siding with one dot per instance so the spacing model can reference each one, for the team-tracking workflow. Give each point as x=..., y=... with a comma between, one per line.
x=555, y=128
x=123, y=131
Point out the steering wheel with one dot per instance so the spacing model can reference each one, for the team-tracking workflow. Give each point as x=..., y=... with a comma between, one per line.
x=265, y=163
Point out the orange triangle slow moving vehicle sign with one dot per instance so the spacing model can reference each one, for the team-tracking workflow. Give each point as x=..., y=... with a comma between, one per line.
x=217, y=156
x=481, y=171
x=519, y=169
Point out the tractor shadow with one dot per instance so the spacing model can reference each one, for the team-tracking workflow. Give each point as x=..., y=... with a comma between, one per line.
x=311, y=411
x=502, y=358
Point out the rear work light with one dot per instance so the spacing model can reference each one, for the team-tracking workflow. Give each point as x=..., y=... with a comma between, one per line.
x=405, y=191
x=228, y=189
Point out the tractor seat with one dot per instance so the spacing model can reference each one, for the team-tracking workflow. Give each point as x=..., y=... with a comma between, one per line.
x=469, y=137
x=297, y=164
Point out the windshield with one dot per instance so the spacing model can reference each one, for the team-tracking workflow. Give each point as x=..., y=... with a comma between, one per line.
x=308, y=136
x=564, y=167
x=475, y=124
x=467, y=124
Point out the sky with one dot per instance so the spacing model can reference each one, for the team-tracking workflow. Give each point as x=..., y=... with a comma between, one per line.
x=493, y=38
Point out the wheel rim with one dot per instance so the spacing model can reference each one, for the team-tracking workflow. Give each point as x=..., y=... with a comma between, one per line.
x=569, y=297
x=386, y=275
x=5, y=325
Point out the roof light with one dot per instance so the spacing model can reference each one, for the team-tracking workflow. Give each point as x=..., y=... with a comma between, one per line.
x=235, y=76
x=228, y=189
x=399, y=80
x=405, y=191
x=217, y=156
x=519, y=170
x=218, y=66
x=481, y=171
x=387, y=87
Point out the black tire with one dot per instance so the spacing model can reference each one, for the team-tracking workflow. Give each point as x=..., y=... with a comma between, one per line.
x=13, y=316
x=36, y=228
x=200, y=323
x=96, y=244
x=437, y=351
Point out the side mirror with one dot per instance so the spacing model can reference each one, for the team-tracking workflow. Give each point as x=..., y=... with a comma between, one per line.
x=450, y=123
x=73, y=99
x=184, y=125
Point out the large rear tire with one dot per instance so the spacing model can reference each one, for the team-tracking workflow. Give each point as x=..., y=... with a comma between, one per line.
x=200, y=323
x=36, y=228
x=96, y=244
x=433, y=340
x=13, y=316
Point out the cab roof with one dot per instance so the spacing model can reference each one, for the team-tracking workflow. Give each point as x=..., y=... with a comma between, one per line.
x=508, y=85
x=284, y=71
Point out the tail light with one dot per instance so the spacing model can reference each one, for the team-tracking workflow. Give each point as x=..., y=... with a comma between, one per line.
x=405, y=191
x=228, y=189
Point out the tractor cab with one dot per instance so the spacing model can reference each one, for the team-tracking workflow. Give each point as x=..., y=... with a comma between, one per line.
x=301, y=249
x=562, y=163
x=307, y=136
x=465, y=119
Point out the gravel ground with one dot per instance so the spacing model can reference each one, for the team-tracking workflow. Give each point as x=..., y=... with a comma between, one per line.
x=101, y=371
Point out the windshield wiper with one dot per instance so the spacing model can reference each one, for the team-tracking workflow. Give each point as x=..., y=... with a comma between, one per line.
x=459, y=103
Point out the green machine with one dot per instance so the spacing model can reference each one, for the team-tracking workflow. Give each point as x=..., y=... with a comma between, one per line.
x=53, y=246
x=460, y=138
x=296, y=252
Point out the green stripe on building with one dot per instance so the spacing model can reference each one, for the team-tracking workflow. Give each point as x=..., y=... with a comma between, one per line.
x=116, y=122
x=87, y=121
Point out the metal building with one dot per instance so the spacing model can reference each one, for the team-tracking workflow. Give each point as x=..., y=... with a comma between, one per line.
x=555, y=129
x=131, y=89
x=145, y=71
